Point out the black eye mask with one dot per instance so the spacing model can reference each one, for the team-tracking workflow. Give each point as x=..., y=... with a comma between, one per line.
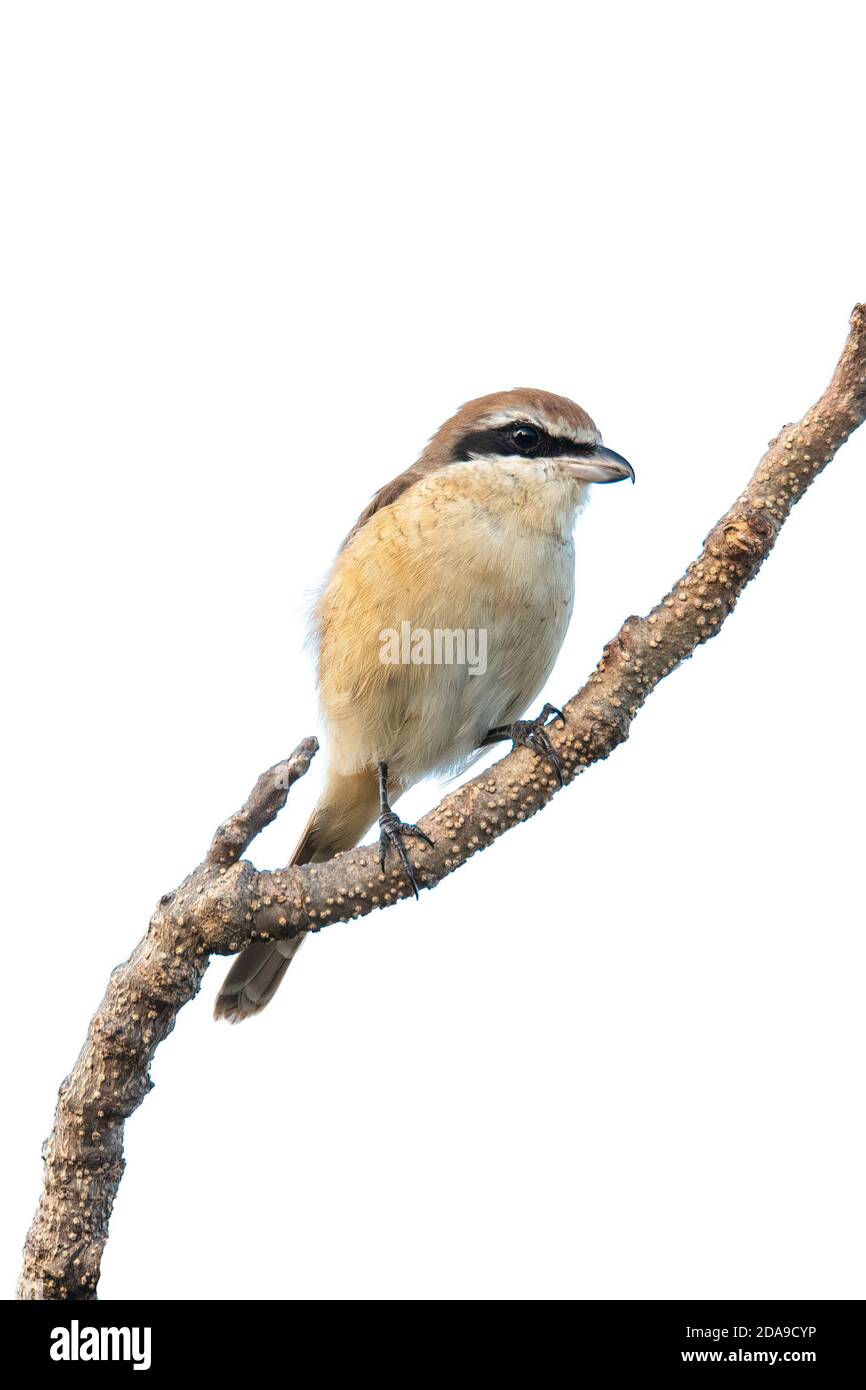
x=518, y=440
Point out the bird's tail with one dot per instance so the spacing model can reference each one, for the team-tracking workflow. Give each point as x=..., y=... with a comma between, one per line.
x=346, y=810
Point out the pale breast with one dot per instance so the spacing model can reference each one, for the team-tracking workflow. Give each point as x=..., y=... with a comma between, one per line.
x=476, y=550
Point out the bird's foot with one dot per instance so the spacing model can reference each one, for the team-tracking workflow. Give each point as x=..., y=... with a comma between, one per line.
x=391, y=832
x=532, y=734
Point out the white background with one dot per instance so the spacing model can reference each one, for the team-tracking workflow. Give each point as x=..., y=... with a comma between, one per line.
x=253, y=255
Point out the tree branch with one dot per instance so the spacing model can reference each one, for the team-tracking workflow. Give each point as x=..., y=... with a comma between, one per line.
x=83, y=1155
x=226, y=902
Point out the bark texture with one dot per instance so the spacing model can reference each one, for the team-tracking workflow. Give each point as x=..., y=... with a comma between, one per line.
x=226, y=901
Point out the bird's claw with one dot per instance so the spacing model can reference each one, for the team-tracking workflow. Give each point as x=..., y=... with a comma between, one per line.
x=391, y=832
x=532, y=734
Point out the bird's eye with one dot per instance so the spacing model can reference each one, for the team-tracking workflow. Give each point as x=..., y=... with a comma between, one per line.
x=525, y=438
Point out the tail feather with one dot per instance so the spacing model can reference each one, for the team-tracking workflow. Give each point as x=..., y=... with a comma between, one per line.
x=345, y=812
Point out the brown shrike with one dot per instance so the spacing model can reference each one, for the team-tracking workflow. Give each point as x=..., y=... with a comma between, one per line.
x=473, y=542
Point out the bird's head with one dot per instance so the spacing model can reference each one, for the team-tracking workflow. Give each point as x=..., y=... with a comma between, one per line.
x=529, y=426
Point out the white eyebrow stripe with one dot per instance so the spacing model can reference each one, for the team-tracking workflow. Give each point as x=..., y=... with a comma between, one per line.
x=556, y=426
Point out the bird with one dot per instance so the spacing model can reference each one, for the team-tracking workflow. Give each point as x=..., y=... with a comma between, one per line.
x=473, y=539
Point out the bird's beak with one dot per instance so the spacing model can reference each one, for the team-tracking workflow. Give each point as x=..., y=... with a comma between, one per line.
x=601, y=466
